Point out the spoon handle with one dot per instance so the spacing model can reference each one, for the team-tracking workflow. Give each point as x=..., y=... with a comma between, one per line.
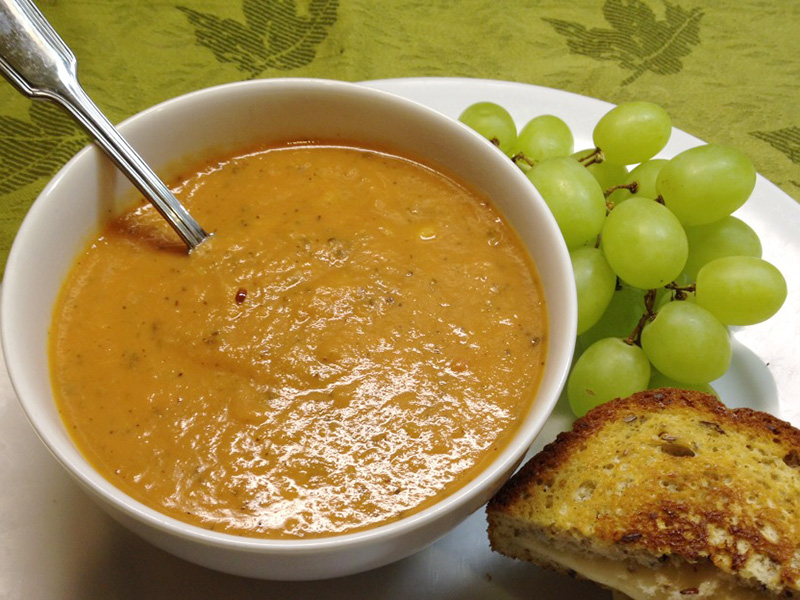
x=40, y=65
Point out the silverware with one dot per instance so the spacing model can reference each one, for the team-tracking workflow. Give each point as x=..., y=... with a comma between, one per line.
x=40, y=65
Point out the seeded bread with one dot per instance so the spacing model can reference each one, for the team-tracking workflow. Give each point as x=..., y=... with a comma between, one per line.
x=665, y=494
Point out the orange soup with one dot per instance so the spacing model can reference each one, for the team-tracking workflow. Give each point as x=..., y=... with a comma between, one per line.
x=359, y=337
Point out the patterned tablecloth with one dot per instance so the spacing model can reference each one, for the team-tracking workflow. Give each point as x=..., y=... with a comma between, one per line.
x=726, y=71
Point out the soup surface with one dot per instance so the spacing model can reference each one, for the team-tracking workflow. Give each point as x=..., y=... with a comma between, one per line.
x=359, y=336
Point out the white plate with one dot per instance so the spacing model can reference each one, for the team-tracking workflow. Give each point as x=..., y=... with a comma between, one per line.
x=55, y=543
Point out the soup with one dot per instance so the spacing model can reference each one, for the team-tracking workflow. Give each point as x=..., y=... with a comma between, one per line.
x=360, y=336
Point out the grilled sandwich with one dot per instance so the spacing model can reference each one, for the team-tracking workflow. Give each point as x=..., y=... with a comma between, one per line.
x=666, y=494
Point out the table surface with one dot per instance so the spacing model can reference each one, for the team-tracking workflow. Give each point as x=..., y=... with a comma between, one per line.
x=727, y=72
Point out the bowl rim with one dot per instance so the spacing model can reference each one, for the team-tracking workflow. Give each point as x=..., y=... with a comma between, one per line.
x=506, y=461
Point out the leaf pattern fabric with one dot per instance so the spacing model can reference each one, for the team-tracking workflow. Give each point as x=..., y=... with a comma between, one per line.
x=785, y=140
x=636, y=39
x=37, y=147
x=273, y=35
x=726, y=71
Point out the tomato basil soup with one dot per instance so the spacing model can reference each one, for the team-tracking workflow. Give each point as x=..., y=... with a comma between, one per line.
x=359, y=337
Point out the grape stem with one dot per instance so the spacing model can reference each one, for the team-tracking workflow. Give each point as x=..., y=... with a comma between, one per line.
x=594, y=157
x=520, y=157
x=633, y=187
x=635, y=338
x=681, y=291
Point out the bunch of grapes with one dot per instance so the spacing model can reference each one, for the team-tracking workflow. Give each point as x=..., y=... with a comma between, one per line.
x=662, y=267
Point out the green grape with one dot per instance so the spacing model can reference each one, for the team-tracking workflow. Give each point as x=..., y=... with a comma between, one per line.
x=610, y=368
x=727, y=237
x=632, y=132
x=644, y=243
x=687, y=343
x=573, y=196
x=659, y=380
x=705, y=184
x=608, y=174
x=543, y=137
x=595, y=283
x=619, y=319
x=645, y=177
x=493, y=122
x=740, y=290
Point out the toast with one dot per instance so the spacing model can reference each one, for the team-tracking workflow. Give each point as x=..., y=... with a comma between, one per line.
x=665, y=494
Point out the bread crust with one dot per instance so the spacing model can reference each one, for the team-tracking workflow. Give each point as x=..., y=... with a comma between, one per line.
x=668, y=474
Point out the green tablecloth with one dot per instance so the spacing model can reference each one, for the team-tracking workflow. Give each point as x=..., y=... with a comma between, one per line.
x=726, y=70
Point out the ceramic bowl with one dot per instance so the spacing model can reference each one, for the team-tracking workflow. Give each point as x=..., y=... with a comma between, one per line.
x=224, y=118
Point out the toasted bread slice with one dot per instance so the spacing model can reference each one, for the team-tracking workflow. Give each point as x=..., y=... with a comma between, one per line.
x=666, y=494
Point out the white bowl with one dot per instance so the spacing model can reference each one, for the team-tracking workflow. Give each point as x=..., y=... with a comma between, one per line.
x=68, y=211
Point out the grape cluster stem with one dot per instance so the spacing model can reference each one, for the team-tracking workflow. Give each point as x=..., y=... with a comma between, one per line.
x=681, y=291
x=632, y=187
x=520, y=157
x=596, y=156
x=635, y=338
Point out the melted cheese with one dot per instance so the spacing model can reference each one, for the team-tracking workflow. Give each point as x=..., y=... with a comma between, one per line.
x=667, y=582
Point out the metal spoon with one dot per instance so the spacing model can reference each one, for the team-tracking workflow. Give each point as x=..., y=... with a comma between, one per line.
x=40, y=65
